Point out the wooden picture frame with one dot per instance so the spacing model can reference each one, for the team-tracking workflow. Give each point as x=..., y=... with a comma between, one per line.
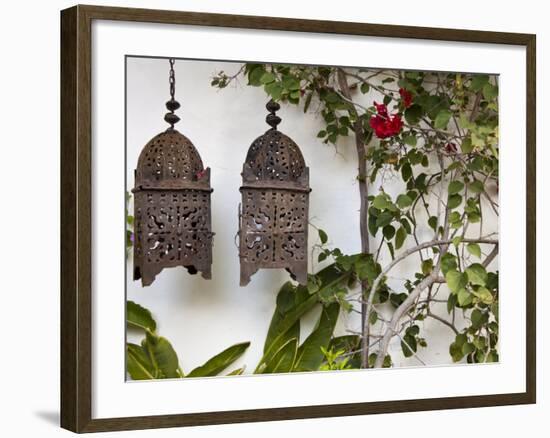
x=76, y=218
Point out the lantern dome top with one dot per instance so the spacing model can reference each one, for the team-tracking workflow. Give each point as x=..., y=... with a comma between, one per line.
x=169, y=160
x=274, y=156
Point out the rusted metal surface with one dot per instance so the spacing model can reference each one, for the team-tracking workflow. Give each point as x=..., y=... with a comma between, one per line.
x=273, y=220
x=172, y=219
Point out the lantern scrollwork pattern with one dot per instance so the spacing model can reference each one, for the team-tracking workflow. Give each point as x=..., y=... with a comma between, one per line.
x=172, y=211
x=273, y=216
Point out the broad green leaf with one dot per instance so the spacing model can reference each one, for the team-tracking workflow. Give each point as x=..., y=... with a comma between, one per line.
x=162, y=355
x=464, y=297
x=138, y=364
x=427, y=266
x=442, y=119
x=455, y=187
x=476, y=186
x=282, y=322
x=476, y=274
x=310, y=356
x=283, y=359
x=432, y=222
x=388, y=231
x=221, y=361
x=490, y=91
x=410, y=140
x=448, y=263
x=477, y=318
x=466, y=146
x=138, y=316
x=456, y=281
x=478, y=82
x=237, y=372
x=408, y=345
x=474, y=249
x=413, y=114
x=403, y=201
x=406, y=171
x=365, y=88
x=381, y=202
x=454, y=201
x=267, y=77
x=274, y=89
x=400, y=237
x=323, y=236
x=484, y=295
x=255, y=75
x=385, y=218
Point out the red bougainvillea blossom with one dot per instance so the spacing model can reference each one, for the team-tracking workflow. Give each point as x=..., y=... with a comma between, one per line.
x=406, y=97
x=383, y=124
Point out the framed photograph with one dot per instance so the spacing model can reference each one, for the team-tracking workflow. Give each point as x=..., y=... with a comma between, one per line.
x=268, y=219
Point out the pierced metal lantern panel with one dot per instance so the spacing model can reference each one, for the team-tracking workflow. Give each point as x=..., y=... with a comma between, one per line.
x=171, y=208
x=273, y=221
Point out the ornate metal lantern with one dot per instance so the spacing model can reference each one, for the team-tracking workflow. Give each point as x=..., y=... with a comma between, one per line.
x=273, y=218
x=171, y=203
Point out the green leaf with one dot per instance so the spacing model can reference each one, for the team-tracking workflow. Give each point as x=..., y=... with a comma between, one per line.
x=221, y=361
x=478, y=82
x=484, y=295
x=466, y=146
x=274, y=89
x=490, y=91
x=381, y=202
x=410, y=140
x=403, y=201
x=267, y=77
x=292, y=304
x=456, y=281
x=476, y=274
x=162, y=354
x=365, y=88
x=388, y=231
x=400, y=237
x=283, y=359
x=385, y=218
x=476, y=186
x=427, y=266
x=413, y=114
x=138, y=364
x=406, y=171
x=442, y=119
x=310, y=356
x=455, y=187
x=454, y=201
x=448, y=263
x=255, y=75
x=464, y=297
x=432, y=222
x=477, y=318
x=474, y=249
x=409, y=345
x=291, y=83
x=140, y=317
x=323, y=236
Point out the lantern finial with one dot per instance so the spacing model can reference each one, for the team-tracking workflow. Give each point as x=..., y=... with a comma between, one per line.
x=172, y=105
x=272, y=119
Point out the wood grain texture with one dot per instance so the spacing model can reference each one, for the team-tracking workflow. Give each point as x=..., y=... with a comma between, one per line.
x=76, y=209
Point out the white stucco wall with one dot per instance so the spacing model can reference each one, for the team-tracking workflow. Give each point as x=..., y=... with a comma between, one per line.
x=202, y=317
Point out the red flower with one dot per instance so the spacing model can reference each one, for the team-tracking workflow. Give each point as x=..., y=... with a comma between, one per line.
x=383, y=124
x=451, y=148
x=406, y=97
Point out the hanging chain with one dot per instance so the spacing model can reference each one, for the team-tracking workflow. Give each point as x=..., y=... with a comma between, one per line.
x=172, y=104
x=172, y=79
